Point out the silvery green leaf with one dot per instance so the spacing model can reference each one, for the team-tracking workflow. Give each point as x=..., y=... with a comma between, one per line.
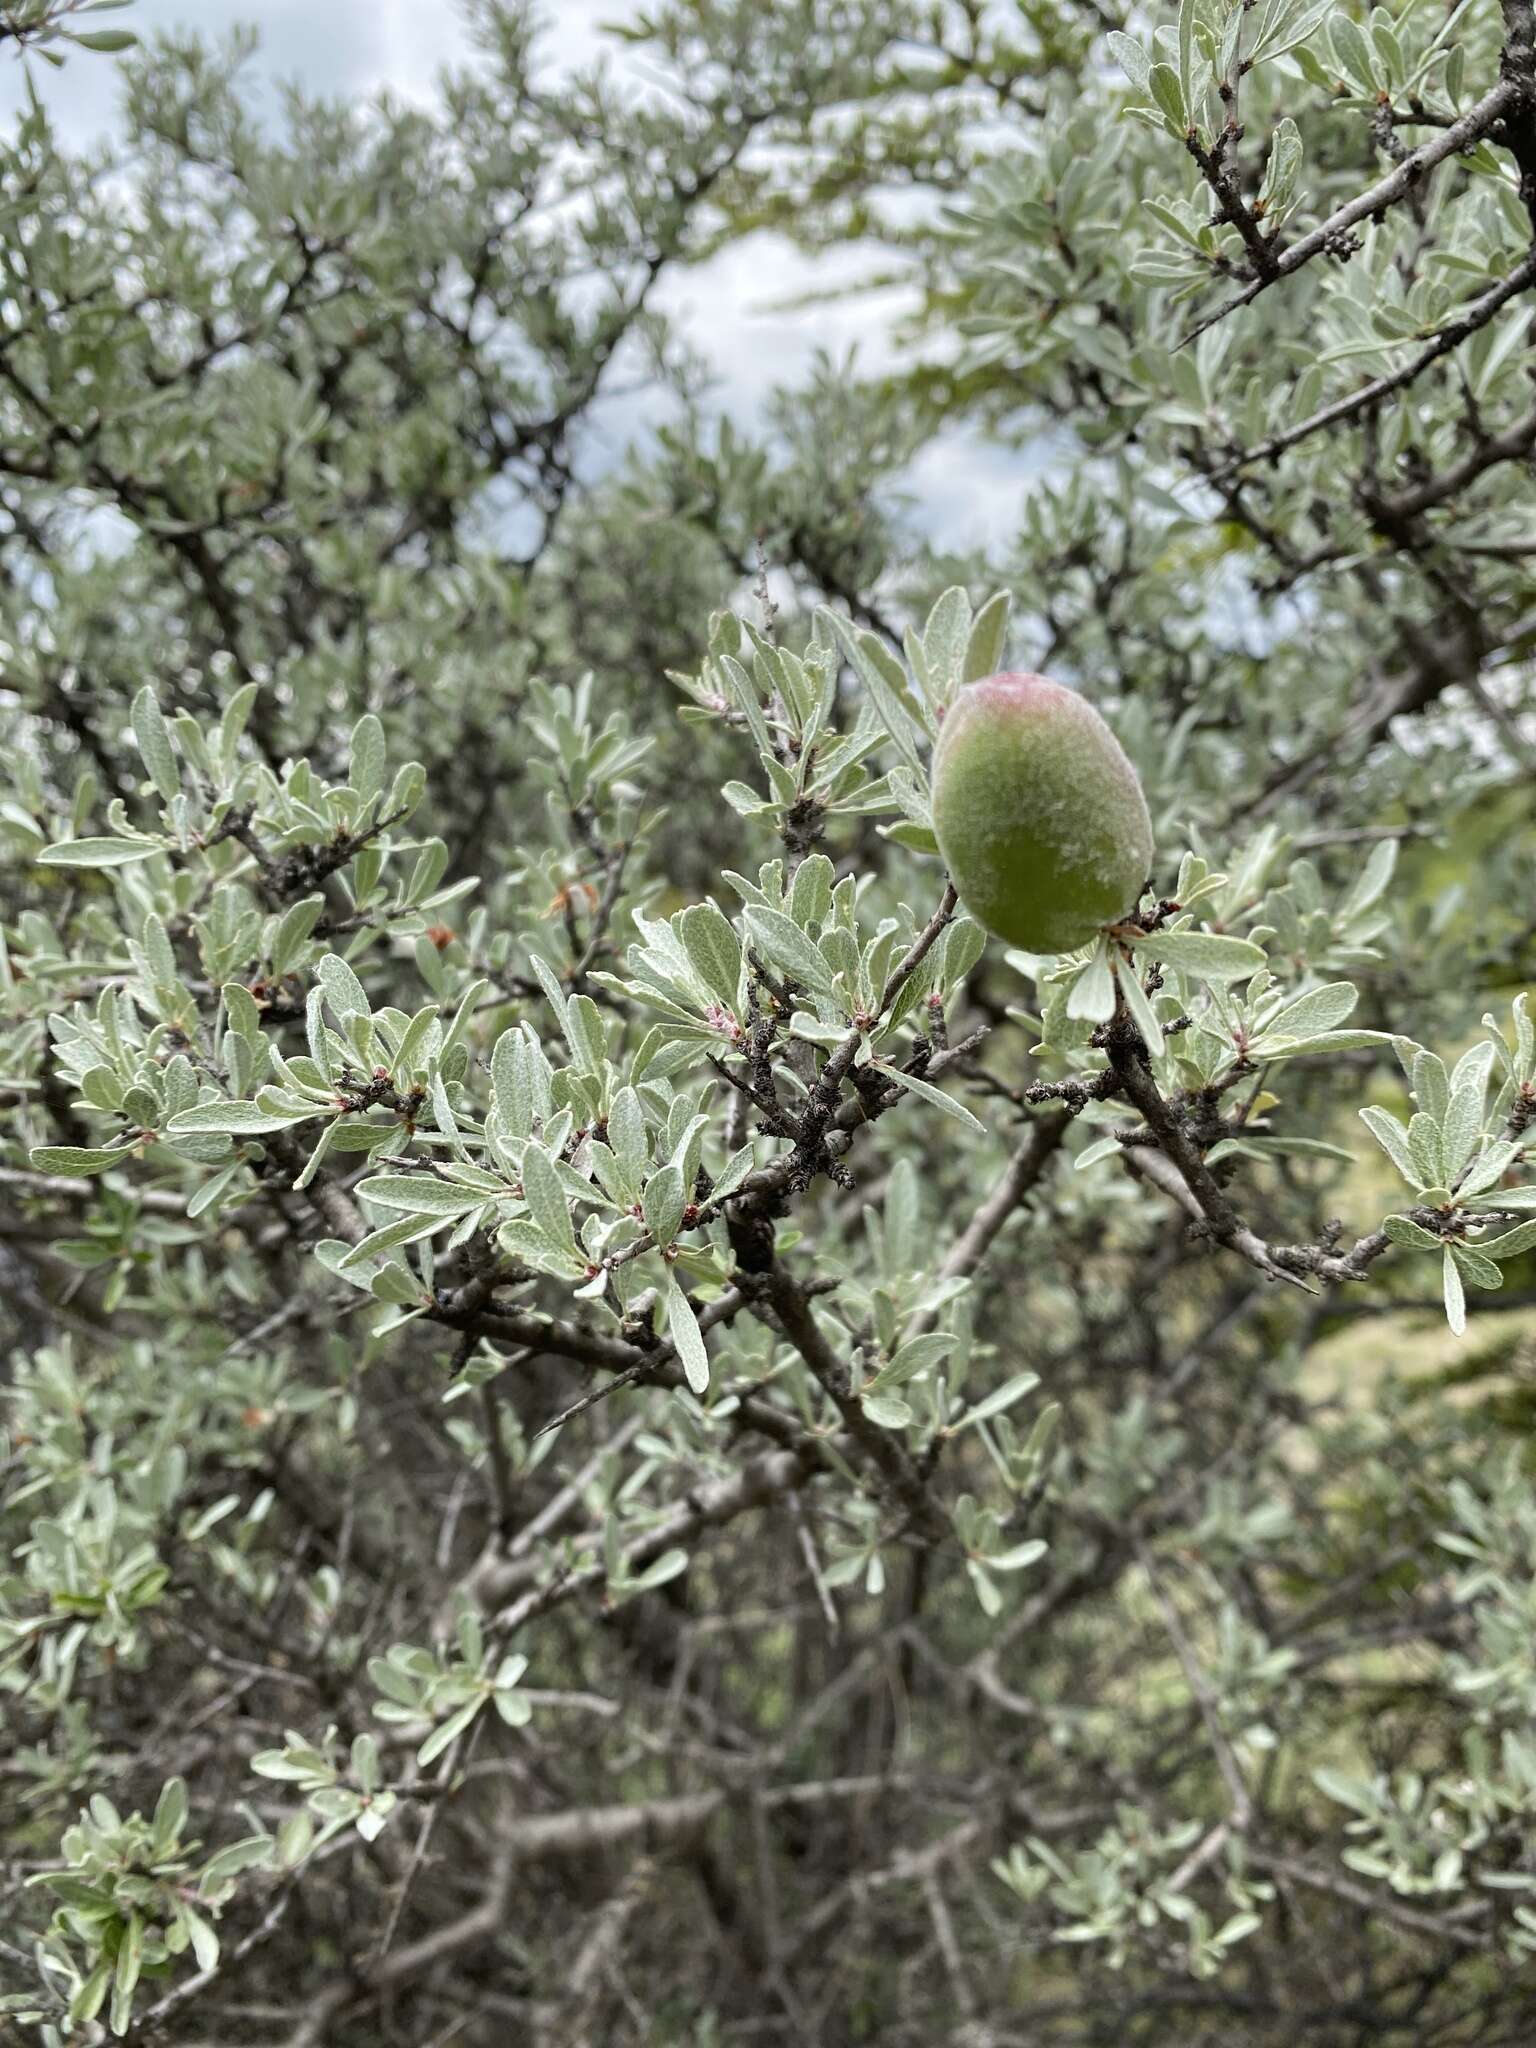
x=913, y=1357
x=153, y=736
x=511, y=1088
x=406, y=791
x=242, y=1016
x=1163, y=84
x=170, y=1815
x=1092, y=994
x=1101, y=1148
x=1425, y=1146
x=1140, y=1005
x=236, y=716
x=101, y=1088
x=1187, y=51
x=916, y=838
x=1353, y=56
x=1476, y=1266
x=1270, y=1049
x=748, y=702
x=945, y=640
x=335, y=1802
x=1019, y=1557
x=544, y=1193
x=989, y=1599
x=1208, y=956
x=550, y=982
x=1462, y=1125
x=1393, y=1140
x=290, y=932
x=463, y=1017
x=1403, y=1230
x=687, y=1143
x=670, y=1565
x=205, y=1943
x=421, y=1194
x=585, y=1031
x=715, y=951
x=1282, y=171
x=419, y=1043
x=810, y=894
x=1525, y=1029
x=962, y=947
x=627, y=1134
x=367, y=757
x=1356, y=1793
x=663, y=1204
x=1518, y=1199
x=442, y=1110
x=1132, y=59
x=733, y=1173
x=343, y=991
x=1455, y=1295
x=159, y=956
x=247, y=1854
x=1511, y=1244
x=441, y=1738
x=610, y=1176
x=744, y=800
x=1473, y=1068
x=96, y=853
x=1431, y=1086
x=77, y=1162
x=316, y=1158
x=931, y=1094
x=989, y=630
x=862, y=969
x=1261, y=1146
x=239, y=1119
x=396, y=1285
x=1320, y=1010
x=1288, y=31
x=291, y=1765
x=786, y=947
x=687, y=1338
x=888, y=688
x=130, y=1962
x=997, y=1401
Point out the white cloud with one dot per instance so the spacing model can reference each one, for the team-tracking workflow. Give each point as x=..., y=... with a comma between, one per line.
x=333, y=46
x=732, y=309
x=743, y=312
x=413, y=44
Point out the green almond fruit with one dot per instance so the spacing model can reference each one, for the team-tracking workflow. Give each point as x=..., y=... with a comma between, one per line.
x=1038, y=813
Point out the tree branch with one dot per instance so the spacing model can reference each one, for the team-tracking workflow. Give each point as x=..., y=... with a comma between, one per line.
x=880, y=1446
x=1478, y=121
x=1477, y=313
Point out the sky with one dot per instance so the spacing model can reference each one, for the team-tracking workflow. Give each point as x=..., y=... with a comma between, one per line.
x=963, y=492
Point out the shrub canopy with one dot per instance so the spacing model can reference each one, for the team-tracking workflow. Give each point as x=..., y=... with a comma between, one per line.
x=617, y=1428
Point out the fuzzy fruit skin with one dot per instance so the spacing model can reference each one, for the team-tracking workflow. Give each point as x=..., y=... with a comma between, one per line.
x=1039, y=814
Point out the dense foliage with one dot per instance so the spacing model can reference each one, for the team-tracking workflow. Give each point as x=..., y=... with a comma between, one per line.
x=616, y=1427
